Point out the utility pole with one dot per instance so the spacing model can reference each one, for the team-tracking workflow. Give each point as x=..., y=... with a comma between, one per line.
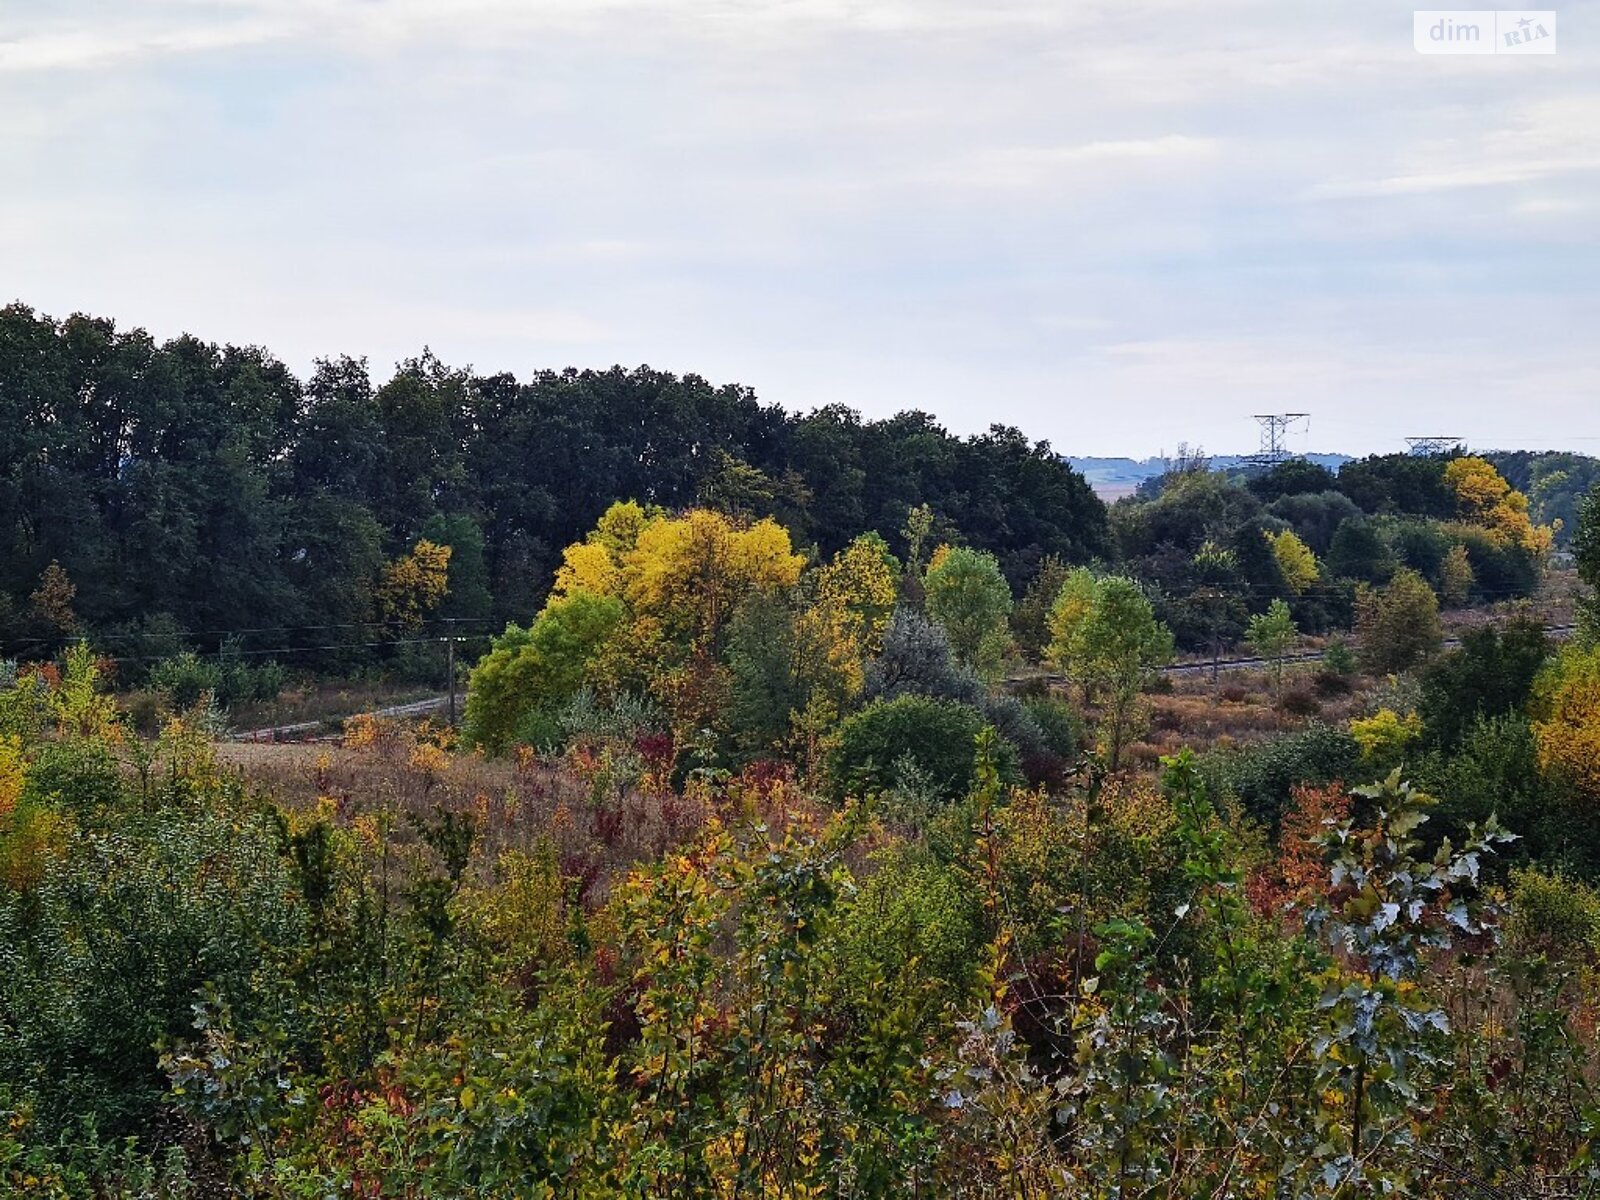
x=450, y=670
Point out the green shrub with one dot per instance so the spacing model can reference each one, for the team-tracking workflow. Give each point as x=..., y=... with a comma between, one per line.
x=1339, y=658
x=1552, y=912
x=1262, y=777
x=1060, y=727
x=184, y=677
x=79, y=775
x=232, y=680
x=1492, y=770
x=939, y=736
x=914, y=925
x=105, y=955
x=1490, y=674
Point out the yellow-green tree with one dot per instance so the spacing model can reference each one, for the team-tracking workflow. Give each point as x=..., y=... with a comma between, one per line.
x=1397, y=628
x=843, y=617
x=1295, y=560
x=1105, y=636
x=528, y=673
x=967, y=594
x=1271, y=635
x=1456, y=577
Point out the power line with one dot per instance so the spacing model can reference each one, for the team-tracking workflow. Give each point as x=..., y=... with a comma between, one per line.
x=417, y=641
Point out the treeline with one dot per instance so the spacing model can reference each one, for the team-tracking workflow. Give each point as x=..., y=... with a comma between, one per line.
x=153, y=494
x=158, y=498
x=1555, y=483
x=1213, y=548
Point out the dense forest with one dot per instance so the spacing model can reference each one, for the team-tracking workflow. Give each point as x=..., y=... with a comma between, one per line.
x=186, y=490
x=185, y=496
x=841, y=808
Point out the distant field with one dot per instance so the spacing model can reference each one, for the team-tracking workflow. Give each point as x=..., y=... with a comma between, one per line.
x=1112, y=490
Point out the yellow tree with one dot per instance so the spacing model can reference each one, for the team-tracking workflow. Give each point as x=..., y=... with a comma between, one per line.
x=1486, y=500
x=80, y=706
x=11, y=774
x=1295, y=560
x=596, y=564
x=687, y=573
x=851, y=600
x=1566, y=725
x=859, y=583
x=414, y=584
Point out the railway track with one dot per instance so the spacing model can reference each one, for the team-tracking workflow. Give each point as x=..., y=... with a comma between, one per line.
x=1559, y=632
x=320, y=731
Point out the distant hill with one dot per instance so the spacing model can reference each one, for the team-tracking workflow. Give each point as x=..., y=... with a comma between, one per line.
x=1112, y=478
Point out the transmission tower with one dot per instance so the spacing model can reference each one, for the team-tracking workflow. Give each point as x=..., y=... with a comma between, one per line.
x=1275, y=429
x=1427, y=447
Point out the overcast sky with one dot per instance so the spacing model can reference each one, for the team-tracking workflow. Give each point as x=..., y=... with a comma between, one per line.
x=1116, y=225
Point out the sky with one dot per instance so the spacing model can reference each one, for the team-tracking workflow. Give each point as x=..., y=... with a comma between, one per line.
x=1117, y=226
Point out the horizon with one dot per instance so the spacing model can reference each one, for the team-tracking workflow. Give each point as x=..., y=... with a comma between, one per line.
x=380, y=374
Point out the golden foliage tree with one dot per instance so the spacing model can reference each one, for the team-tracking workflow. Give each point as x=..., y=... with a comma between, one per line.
x=676, y=581
x=852, y=598
x=1486, y=500
x=414, y=584
x=1567, y=718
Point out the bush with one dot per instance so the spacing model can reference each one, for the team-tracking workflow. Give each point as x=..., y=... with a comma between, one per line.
x=1339, y=658
x=1385, y=737
x=1262, y=777
x=1492, y=770
x=107, y=954
x=1491, y=673
x=1300, y=702
x=1329, y=684
x=914, y=926
x=937, y=736
x=1060, y=727
x=917, y=661
x=184, y=677
x=80, y=775
x=1552, y=913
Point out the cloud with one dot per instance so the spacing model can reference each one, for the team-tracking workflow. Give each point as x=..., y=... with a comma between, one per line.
x=1112, y=224
x=1537, y=140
